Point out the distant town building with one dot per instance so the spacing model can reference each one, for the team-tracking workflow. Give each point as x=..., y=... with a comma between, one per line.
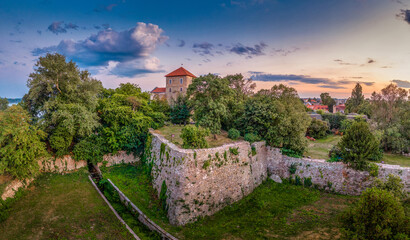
x=318, y=107
x=339, y=108
x=177, y=82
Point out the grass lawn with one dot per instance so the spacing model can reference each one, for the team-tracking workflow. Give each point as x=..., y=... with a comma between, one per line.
x=272, y=211
x=320, y=148
x=167, y=132
x=62, y=207
x=395, y=159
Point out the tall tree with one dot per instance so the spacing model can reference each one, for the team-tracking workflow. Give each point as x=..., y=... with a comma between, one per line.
x=357, y=98
x=328, y=101
x=209, y=96
x=4, y=103
x=62, y=100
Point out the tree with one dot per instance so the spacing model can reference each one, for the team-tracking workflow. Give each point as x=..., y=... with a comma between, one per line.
x=327, y=100
x=4, y=103
x=357, y=98
x=278, y=116
x=209, y=96
x=180, y=111
x=317, y=128
x=62, y=100
x=20, y=144
x=377, y=215
x=358, y=145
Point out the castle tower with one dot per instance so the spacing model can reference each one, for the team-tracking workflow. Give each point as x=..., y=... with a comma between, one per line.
x=177, y=82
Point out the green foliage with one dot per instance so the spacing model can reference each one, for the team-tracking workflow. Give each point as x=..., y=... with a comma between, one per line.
x=163, y=196
x=90, y=149
x=345, y=124
x=4, y=103
x=291, y=153
x=206, y=164
x=393, y=184
x=20, y=144
x=278, y=115
x=233, y=134
x=234, y=151
x=161, y=106
x=253, y=149
x=335, y=120
x=180, y=111
x=327, y=100
x=358, y=145
x=353, y=103
x=5, y=205
x=209, y=96
x=251, y=137
x=307, y=182
x=317, y=128
x=335, y=154
x=194, y=137
x=293, y=168
x=62, y=100
x=377, y=215
x=373, y=169
x=298, y=180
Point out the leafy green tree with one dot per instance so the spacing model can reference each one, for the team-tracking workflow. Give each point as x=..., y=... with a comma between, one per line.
x=20, y=144
x=209, y=96
x=4, y=103
x=180, y=111
x=233, y=134
x=358, y=145
x=317, y=128
x=377, y=215
x=194, y=137
x=62, y=100
x=327, y=100
x=278, y=116
x=335, y=120
x=357, y=98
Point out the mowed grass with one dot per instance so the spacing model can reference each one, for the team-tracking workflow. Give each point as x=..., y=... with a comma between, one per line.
x=320, y=148
x=62, y=207
x=272, y=211
x=395, y=159
x=168, y=131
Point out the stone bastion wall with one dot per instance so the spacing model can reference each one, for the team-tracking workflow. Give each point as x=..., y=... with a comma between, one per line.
x=200, y=182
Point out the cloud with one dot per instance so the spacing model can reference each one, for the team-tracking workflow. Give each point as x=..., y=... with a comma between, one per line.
x=39, y=32
x=181, y=43
x=105, y=8
x=60, y=27
x=109, y=45
x=402, y=83
x=369, y=61
x=285, y=52
x=405, y=15
x=249, y=51
x=203, y=48
x=135, y=67
x=341, y=62
x=292, y=78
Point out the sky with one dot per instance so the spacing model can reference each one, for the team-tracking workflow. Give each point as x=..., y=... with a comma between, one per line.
x=314, y=46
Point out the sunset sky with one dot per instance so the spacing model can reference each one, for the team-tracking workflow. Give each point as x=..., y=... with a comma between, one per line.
x=314, y=46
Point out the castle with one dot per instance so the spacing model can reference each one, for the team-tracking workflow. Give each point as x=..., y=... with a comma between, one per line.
x=177, y=83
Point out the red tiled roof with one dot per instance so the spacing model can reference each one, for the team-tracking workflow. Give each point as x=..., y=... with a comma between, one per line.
x=180, y=72
x=317, y=107
x=159, y=90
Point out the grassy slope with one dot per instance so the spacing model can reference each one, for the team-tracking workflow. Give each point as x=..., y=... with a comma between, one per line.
x=4, y=181
x=272, y=211
x=167, y=131
x=62, y=207
x=320, y=148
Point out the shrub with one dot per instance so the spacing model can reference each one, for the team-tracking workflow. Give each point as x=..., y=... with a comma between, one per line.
x=234, y=151
x=251, y=137
x=290, y=153
x=307, y=182
x=163, y=196
x=393, y=184
x=335, y=120
x=345, y=124
x=233, y=134
x=358, y=145
x=89, y=149
x=292, y=168
x=335, y=154
x=317, y=128
x=377, y=215
x=194, y=137
x=373, y=169
x=60, y=141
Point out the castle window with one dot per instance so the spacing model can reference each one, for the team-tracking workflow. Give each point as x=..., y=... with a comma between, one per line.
x=170, y=81
x=180, y=80
x=181, y=89
x=170, y=88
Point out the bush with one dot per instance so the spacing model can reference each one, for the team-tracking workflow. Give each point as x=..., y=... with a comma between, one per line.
x=317, y=128
x=335, y=154
x=345, y=124
x=251, y=137
x=194, y=137
x=393, y=184
x=233, y=134
x=335, y=120
x=377, y=215
x=358, y=146
x=60, y=141
x=89, y=149
x=291, y=153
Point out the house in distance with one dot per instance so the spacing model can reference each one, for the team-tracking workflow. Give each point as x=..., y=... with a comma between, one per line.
x=176, y=82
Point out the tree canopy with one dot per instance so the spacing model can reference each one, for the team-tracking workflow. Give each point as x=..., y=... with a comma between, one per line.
x=357, y=98
x=4, y=103
x=328, y=101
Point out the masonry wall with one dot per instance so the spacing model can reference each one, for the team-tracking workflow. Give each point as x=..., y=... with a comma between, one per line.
x=202, y=181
